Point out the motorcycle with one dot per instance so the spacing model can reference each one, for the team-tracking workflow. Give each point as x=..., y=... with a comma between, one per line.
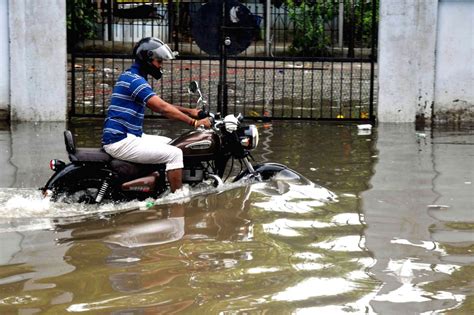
x=93, y=176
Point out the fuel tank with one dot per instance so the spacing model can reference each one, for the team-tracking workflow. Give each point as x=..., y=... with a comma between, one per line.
x=198, y=144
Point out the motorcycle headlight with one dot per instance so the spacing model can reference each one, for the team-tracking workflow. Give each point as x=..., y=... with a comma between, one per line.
x=249, y=137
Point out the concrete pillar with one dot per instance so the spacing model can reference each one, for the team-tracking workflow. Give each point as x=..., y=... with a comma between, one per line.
x=454, y=96
x=38, y=60
x=4, y=61
x=407, y=42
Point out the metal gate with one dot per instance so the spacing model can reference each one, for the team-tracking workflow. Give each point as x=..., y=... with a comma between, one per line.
x=279, y=59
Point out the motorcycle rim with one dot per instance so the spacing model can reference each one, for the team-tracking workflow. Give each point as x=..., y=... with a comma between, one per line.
x=84, y=191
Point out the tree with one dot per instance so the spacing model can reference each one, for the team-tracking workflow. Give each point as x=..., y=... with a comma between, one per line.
x=81, y=18
x=310, y=18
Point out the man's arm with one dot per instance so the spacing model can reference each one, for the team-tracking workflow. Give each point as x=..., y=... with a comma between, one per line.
x=157, y=104
x=191, y=112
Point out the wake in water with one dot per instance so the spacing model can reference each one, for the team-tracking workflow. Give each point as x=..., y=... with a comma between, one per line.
x=27, y=209
x=291, y=192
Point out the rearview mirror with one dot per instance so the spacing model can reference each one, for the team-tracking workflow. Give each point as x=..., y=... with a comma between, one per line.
x=193, y=87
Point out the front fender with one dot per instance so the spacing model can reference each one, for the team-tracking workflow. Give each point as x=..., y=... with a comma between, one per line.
x=266, y=170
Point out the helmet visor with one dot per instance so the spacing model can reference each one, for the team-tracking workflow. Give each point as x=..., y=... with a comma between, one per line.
x=163, y=53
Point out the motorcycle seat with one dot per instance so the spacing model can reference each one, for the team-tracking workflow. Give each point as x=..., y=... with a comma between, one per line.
x=92, y=155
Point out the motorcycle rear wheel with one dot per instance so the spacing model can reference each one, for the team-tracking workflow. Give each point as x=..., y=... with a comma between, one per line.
x=83, y=191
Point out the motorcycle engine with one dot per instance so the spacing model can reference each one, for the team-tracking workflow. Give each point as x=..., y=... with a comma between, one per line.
x=195, y=174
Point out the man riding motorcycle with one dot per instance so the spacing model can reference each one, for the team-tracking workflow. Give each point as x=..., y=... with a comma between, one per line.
x=123, y=136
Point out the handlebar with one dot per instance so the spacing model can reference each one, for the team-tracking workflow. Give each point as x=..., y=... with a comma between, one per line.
x=215, y=119
x=203, y=113
x=218, y=123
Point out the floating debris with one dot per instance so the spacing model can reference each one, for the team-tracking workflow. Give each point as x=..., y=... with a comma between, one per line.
x=364, y=127
x=253, y=113
x=297, y=65
x=438, y=206
x=364, y=130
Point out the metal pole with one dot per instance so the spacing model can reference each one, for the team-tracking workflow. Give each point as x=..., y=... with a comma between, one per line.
x=373, y=58
x=72, y=111
x=222, y=60
x=350, y=51
x=172, y=31
x=341, y=23
x=110, y=33
x=268, y=27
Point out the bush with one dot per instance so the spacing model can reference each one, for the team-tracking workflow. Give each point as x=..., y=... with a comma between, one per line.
x=310, y=19
x=85, y=15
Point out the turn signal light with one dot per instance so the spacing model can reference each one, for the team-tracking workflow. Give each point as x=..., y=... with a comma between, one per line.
x=245, y=142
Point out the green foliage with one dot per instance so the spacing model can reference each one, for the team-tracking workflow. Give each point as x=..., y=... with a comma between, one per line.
x=81, y=21
x=310, y=19
x=313, y=20
x=358, y=16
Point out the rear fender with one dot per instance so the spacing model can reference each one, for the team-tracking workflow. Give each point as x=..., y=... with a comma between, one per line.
x=73, y=172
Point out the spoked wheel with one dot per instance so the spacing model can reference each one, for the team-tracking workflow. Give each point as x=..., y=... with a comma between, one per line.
x=83, y=191
x=264, y=172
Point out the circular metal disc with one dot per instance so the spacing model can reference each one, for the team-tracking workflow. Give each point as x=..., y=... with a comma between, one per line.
x=240, y=27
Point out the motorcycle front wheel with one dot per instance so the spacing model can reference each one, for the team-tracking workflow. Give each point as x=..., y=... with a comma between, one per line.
x=265, y=170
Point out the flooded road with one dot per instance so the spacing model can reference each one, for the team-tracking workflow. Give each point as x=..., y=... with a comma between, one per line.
x=380, y=222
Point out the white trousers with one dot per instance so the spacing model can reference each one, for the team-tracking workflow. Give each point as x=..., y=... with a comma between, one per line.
x=147, y=149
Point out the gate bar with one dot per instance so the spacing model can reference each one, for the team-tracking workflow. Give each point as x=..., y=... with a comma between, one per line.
x=372, y=60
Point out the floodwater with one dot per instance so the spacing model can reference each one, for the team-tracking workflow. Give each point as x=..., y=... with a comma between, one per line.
x=382, y=221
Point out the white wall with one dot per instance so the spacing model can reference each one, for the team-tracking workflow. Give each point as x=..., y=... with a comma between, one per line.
x=426, y=53
x=4, y=60
x=38, y=81
x=406, y=59
x=454, y=94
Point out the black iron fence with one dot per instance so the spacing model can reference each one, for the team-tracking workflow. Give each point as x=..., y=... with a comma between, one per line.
x=285, y=59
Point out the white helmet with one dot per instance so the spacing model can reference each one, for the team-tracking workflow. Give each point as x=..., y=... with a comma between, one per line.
x=150, y=48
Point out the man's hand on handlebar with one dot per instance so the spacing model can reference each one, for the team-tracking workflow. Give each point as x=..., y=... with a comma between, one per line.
x=198, y=113
x=205, y=122
x=193, y=112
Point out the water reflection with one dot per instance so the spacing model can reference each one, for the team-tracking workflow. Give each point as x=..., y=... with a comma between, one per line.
x=31, y=261
x=25, y=151
x=150, y=233
x=247, y=248
x=419, y=188
x=155, y=253
x=379, y=223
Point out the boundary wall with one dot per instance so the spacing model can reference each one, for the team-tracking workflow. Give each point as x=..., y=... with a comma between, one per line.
x=426, y=49
x=35, y=88
x=425, y=61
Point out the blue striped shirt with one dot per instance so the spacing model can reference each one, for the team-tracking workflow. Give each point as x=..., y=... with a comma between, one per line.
x=127, y=106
